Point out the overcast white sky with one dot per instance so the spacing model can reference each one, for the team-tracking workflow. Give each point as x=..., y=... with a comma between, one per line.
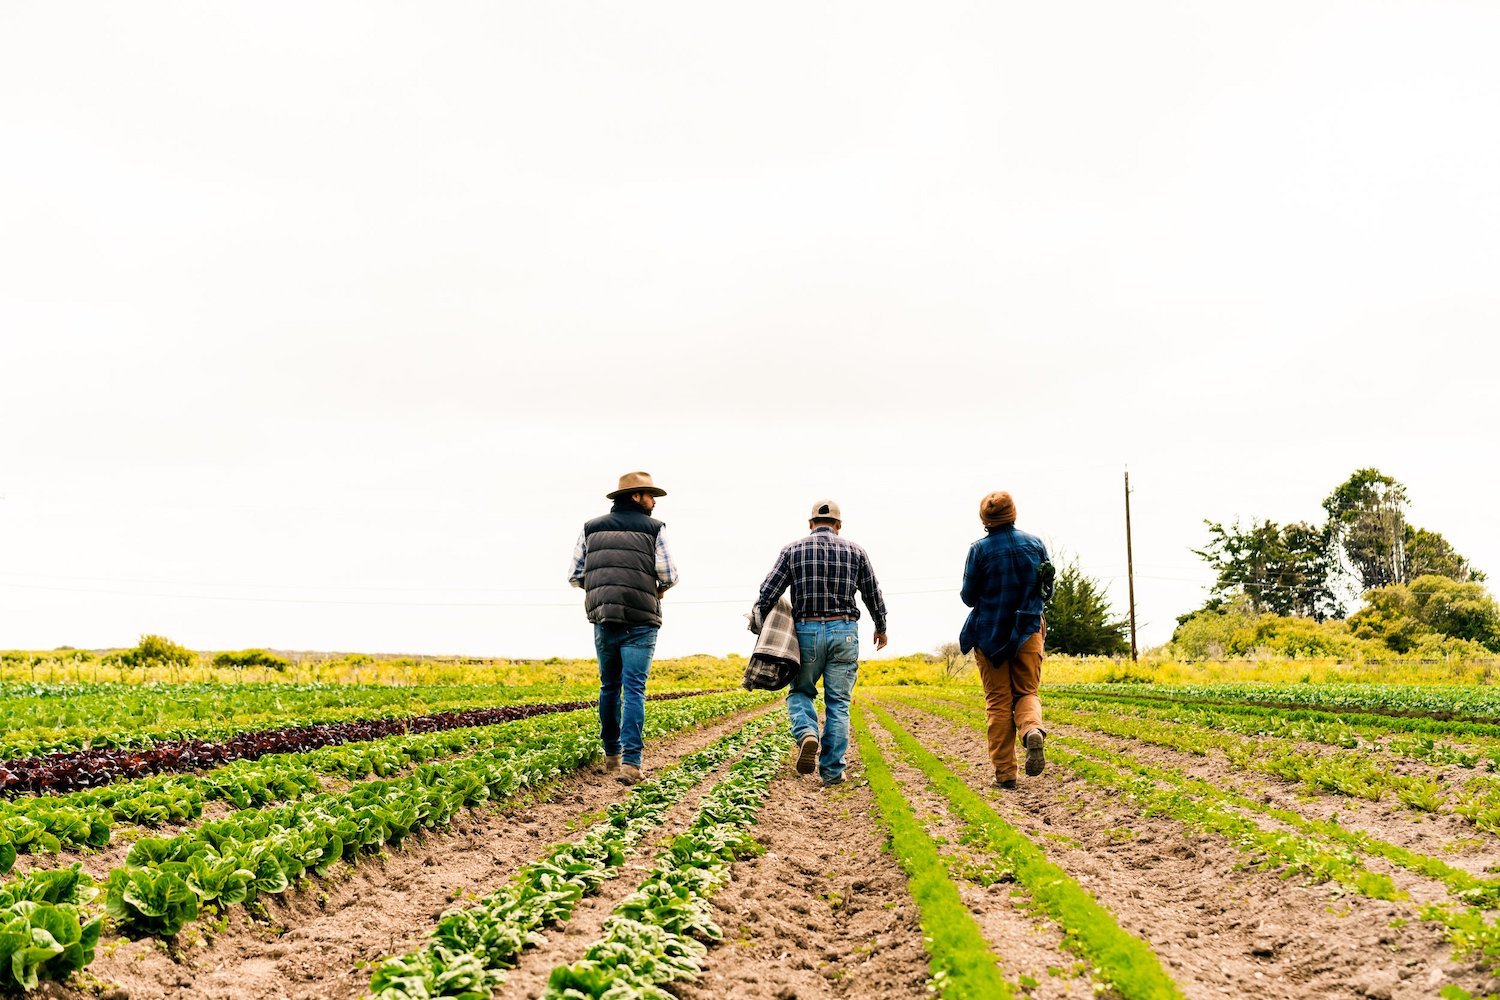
x=326, y=325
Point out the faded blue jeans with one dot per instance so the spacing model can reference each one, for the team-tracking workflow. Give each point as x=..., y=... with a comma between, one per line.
x=624, y=662
x=830, y=650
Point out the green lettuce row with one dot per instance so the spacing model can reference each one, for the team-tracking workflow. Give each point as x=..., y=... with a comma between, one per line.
x=469, y=947
x=84, y=819
x=251, y=852
x=1306, y=851
x=72, y=716
x=656, y=934
x=1124, y=963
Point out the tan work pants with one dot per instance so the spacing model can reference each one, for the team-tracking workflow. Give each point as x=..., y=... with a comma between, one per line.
x=1010, y=701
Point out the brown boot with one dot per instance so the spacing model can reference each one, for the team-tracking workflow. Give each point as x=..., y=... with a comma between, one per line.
x=1035, y=761
x=611, y=762
x=628, y=774
x=1008, y=784
x=807, y=754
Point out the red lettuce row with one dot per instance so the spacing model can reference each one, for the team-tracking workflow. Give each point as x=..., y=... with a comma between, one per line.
x=92, y=767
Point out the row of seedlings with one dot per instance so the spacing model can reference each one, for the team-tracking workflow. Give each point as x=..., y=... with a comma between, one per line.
x=471, y=946
x=1123, y=964
x=963, y=966
x=657, y=934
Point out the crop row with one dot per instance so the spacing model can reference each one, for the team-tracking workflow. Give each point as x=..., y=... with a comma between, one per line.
x=165, y=881
x=470, y=946
x=85, y=819
x=1430, y=701
x=656, y=934
x=1123, y=963
x=1414, y=738
x=96, y=766
x=1357, y=774
x=43, y=718
x=1317, y=850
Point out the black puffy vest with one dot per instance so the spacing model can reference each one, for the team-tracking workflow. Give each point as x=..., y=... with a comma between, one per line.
x=619, y=568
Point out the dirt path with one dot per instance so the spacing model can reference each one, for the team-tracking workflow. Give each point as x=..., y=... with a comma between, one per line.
x=317, y=942
x=1221, y=930
x=824, y=912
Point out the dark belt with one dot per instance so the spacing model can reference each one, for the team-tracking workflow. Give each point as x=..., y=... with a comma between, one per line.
x=827, y=618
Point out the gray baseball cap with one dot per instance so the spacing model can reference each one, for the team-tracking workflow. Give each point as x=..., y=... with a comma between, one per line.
x=826, y=508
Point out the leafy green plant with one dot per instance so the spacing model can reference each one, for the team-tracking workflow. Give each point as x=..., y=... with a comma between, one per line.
x=43, y=941
x=144, y=901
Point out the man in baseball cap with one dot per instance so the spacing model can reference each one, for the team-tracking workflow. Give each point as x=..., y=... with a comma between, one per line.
x=824, y=570
x=622, y=564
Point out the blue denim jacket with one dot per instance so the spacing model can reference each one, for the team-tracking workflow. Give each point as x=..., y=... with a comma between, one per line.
x=1002, y=586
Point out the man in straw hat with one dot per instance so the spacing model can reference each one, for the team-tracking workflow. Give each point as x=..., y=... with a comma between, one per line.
x=824, y=570
x=1007, y=579
x=622, y=564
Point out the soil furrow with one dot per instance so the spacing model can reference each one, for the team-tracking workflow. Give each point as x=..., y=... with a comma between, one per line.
x=824, y=912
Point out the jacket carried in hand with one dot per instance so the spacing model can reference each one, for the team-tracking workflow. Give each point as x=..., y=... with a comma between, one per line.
x=778, y=654
x=1007, y=580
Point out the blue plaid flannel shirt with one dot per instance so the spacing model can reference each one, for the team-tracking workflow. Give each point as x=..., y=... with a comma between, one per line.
x=823, y=570
x=1002, y=585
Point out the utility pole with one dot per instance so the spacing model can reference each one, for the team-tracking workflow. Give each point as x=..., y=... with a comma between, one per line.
x=1130, y=567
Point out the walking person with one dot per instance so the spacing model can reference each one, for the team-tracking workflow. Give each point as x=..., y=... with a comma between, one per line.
x=1007, y=580
x=823, y=571
x=622, y=564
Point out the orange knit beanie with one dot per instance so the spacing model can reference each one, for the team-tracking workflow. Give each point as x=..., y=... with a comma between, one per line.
x=997, y=509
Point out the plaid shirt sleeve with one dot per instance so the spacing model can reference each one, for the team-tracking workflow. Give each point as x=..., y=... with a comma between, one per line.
x=775, y=584
x=869, y=588
x=580, y=552
x=666, y=569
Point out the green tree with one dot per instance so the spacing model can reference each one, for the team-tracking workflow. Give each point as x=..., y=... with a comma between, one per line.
x=1282, y=570
x=1429, y=554
x=1367, y=527
x=1403, y=615
x=1078, y=617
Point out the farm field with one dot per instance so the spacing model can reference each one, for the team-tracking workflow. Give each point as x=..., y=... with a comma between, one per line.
x=324, y=840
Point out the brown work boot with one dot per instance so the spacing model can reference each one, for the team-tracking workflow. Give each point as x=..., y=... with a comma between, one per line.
x=611, y=762
x=1035, y=761
x=628, y=774
x=1008, y=784
x=807, y=754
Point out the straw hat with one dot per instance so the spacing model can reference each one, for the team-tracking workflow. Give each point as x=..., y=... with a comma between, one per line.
x=636, y=482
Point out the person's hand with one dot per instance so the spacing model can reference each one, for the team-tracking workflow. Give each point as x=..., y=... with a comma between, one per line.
x=661, y=592
x=880, y=640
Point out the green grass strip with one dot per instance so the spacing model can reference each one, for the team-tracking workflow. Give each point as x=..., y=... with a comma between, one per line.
x=962, y=964
x=1122, y=960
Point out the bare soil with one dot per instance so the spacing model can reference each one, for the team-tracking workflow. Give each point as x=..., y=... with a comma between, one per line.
x=1220, y=929
x=321, y=939
x=824, y=912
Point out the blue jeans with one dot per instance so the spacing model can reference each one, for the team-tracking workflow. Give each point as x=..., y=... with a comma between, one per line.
x=624, y=662
x=830, y=650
